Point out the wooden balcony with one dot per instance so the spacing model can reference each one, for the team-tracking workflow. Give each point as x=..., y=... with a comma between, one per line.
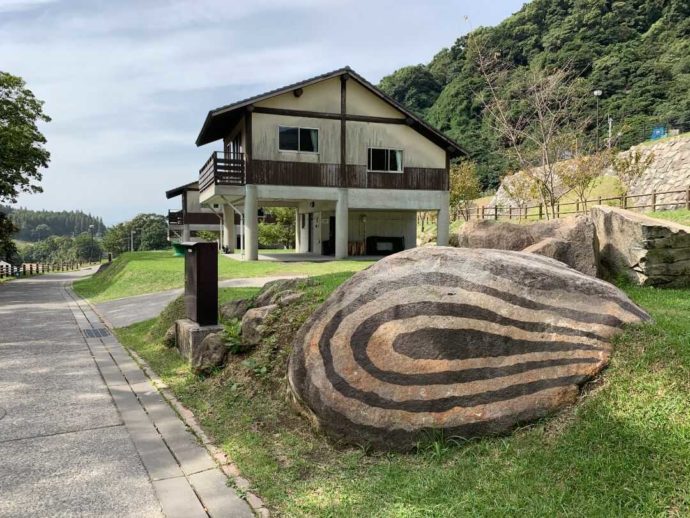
x=222, y=169
x=234, y=170
x=175, y=217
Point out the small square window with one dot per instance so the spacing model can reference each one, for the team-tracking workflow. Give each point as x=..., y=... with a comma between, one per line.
x=308, y=140
x=385, y=160
x=298, y=139
x=288, y=139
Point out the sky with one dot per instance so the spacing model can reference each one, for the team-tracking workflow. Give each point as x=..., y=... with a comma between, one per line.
x=128, y=83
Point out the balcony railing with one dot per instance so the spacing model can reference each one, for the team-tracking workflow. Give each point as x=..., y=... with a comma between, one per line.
x=222, y=169
x=175, y=217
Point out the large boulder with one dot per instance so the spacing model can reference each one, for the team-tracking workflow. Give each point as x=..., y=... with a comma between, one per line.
x=470, y=342
x=647, y=251
x=210, y=353
x=576, y=246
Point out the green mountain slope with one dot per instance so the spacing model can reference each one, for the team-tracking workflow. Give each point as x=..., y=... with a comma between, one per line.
x=636, y=51
x=39, y=224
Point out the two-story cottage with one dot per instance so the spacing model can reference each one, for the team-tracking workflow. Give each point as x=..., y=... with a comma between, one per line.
x=184, y=224
x=355, y=164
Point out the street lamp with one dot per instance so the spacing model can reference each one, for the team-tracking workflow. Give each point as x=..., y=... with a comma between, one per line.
x=91, y=249
x=131, y=240
x=597, y=94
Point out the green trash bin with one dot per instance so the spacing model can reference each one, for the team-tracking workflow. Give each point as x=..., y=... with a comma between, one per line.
x=178, y=249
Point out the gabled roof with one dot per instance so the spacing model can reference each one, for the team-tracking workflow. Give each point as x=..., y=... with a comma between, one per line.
x=219, y=120
x=191, y=186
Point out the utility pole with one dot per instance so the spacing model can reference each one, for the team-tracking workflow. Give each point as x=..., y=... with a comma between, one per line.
x=610, y=131
x=131, y=240
x=91, y=229
x=597, y=94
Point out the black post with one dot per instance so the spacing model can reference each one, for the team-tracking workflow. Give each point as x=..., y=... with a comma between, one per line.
x=201, y=283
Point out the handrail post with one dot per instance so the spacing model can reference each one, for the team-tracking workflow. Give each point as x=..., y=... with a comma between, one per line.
x=625, y=201
x=495, y=212
x=687, y=198
x=483, y=212
x=654, y=200
x=541, y=211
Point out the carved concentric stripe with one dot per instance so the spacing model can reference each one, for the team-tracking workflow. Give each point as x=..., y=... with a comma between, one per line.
x=355, y=376
x=382, y=355
x=361, y=412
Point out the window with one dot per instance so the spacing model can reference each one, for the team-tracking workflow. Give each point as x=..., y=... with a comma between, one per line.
x=385, y=160
x=305, y=140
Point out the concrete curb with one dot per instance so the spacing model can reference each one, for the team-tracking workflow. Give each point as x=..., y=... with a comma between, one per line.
x=187, y=416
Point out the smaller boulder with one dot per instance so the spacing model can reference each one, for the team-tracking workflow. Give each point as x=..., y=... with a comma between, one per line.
x=577, y=232
x=170, y=337
x=287, y=297
x=253, y=324
x=234, y=309
x=210, y=353
x=272, y=290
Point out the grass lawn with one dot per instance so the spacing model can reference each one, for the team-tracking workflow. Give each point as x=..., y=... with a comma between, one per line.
x=680, y=216
x=624, y=450
x=134, y=273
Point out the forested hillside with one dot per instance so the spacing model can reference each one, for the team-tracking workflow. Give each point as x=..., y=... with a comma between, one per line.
x=36, y=225
x=636, y=51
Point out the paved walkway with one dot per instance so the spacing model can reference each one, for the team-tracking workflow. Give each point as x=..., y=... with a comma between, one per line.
x=82, y=430
x=130, y=310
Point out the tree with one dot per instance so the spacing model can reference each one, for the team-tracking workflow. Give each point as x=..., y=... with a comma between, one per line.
x=282, y=232
x=87, y=248
x=521, y=188
x=464, y=187
x=580, y=173
x=22, y=154
x=41, y=231
x=536, y=111
x=8, y=249
x=414, y=87
x=153, y=232
x=630, y=166
x=116, y=239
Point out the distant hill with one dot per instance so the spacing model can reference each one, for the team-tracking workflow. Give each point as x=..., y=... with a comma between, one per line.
x=636, y=51
x=39, y=224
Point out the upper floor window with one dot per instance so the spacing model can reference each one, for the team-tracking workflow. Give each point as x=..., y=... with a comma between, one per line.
x=385, y=160
x=298, y=139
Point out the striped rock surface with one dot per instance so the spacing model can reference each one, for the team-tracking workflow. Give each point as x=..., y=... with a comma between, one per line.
x=471, y=341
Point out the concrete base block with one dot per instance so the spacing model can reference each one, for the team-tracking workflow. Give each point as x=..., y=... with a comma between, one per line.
x=189, y=336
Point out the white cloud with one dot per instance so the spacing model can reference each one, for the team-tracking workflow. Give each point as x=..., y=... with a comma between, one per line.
x=22, y=5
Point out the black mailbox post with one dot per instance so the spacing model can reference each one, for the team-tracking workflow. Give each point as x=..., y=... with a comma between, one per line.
x=201, y=283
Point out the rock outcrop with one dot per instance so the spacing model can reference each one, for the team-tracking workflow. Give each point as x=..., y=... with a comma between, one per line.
x=234, y=309
x=210, y=353
x=170, y=336
x=253, y=324
x=274, y=290
x=570, y=240
x=648, y=251
x=471, y=342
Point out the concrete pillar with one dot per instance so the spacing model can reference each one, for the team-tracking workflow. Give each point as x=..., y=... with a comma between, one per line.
x=229, y=238
x=251, y=224
x=297, y=230
x=341, y=223
x=186, y=234
x=443, y=221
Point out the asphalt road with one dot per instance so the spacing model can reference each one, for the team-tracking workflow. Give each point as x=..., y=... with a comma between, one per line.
x=130, y=310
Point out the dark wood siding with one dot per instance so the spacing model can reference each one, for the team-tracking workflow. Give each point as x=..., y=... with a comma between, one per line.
x=273, y=172
x=419, y=178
